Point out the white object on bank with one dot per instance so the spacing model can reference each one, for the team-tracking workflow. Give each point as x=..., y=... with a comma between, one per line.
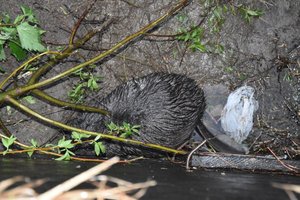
x=237, y=115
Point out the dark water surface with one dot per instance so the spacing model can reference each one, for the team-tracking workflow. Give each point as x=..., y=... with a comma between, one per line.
x=174, y=182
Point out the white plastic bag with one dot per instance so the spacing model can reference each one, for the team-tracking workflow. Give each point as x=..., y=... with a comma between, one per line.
x=237, y=115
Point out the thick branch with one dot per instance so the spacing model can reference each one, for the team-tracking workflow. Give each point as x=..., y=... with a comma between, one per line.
x=16, y=71
x=128, y=39
x=105, y=136
x=65, y=104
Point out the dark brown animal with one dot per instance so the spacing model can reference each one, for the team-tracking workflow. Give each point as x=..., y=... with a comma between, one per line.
x=167, y=106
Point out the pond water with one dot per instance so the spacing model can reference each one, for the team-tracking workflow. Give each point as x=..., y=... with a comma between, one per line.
x=174, y=182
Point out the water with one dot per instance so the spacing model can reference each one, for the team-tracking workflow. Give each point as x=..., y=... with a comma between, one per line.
x=174, y=182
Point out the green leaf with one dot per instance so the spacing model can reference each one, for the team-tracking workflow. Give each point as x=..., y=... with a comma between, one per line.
x=70, y=152
x=79, y=136
x=84, y=75
x=29, y=153
x=229, y=69
x=217, y=13
x=18, y=19
x=99, y=148
x=34, y=143
x=17, y=51
x=198, y=46
x=30, y=37
x=66, y=144
x=63, y=143
x=6, y=19
x=66, y=156
x=26, y=10
x=95, y=84
x=112, y=127
x=256, y=13
x=125, y=135
x=2, y=54
x=29, y=14
x=29, y=99
x=92, y=84
x=126, y=125
x=187, y=37
x=50, y=145
x=7, y=142
x=8, y=110
x=232, y=10
x=225, y=8
x=78, y=89
x=124, y=131
x=7, y=33
x=76, y=94
x=242, y=76
x=102, y=147
x=136, y=126
x=135, y=130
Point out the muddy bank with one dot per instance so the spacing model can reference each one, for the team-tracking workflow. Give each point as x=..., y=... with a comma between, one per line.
x=263, y=54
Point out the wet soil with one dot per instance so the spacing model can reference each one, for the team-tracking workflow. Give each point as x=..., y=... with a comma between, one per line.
x=264, y=54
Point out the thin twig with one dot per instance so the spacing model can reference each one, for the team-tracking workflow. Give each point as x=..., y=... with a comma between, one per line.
x=49, y=151
x=289, y=167
x=78, y=23
x=187, y=166
x=71, y=183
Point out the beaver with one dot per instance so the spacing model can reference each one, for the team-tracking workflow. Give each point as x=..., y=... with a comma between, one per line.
x=167, y=106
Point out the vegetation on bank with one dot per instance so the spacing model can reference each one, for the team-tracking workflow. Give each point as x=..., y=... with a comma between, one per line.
x=15, y=34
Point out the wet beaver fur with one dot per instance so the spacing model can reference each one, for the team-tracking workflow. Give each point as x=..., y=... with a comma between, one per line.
x=167, y=106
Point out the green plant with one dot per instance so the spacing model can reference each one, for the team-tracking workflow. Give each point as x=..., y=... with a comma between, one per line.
x=124, y=131
x=35, y=85
x=33, y=146
x=29, y=99
x=21, y=35
x=205, y=37
x=248, y=13
x=88, y=82
x=242, y=76
x=78, y=137
x=99, y=147
x=229, y=69
x=288, y=77
x=193, y=37
x=217, y=18
x=7, y=142
x=65, y=146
